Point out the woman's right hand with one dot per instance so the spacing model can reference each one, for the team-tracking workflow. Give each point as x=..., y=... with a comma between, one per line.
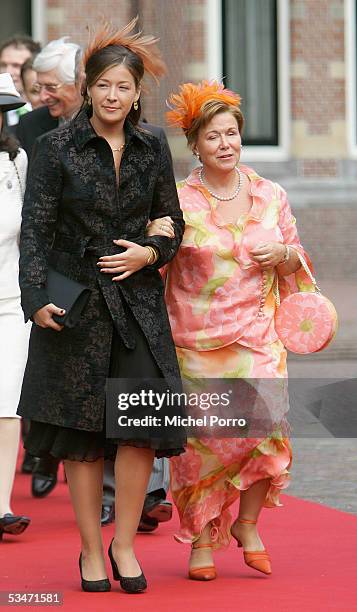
x=43, y=317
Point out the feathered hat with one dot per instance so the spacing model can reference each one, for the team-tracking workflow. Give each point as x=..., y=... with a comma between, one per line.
x=187, y=105
x=143, y=46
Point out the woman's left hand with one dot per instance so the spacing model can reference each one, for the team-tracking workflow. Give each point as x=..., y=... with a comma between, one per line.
x=133, y=259
x=268, y=255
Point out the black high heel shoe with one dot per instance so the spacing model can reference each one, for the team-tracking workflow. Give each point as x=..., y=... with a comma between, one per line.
x=94, y=586
x=12, y=524
x=130, y=584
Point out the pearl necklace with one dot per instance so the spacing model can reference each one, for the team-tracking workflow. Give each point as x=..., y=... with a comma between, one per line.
x=215, y=195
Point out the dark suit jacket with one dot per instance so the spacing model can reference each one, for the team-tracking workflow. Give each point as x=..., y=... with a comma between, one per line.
x=73, y=210
x=32, y=125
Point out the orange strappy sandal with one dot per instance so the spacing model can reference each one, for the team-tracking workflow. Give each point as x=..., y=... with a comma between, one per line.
x=207, y=572
x=257, y=559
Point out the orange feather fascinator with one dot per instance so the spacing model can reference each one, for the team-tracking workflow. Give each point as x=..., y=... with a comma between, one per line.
x=143, y=46
x=187, y=105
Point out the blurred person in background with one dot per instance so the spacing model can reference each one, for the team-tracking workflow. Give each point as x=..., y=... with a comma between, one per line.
x=55, y=77
x=59, y=87
x=14, y=333
x=14, y=52
x=32, y=91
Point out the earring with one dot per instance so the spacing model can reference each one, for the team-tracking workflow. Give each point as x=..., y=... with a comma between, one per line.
x=136, y=105
x=89, y=101
x=196, y=154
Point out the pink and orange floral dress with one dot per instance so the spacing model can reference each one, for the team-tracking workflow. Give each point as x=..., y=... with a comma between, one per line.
x=221, y=308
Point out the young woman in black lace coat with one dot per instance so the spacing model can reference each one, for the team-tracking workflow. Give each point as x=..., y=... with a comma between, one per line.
x=93, y=186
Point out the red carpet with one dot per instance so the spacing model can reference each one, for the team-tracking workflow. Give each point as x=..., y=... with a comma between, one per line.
x=313, y=550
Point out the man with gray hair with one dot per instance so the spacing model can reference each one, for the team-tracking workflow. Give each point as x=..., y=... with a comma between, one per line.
x=58, y=78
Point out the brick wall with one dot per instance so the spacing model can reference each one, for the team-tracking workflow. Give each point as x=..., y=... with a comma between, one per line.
x=317, y=54
x=329, y=237
x=317, y=68
x=181, y=40
x=318, y=85
x=180, y=27
x=318, y=117
x=69, y=18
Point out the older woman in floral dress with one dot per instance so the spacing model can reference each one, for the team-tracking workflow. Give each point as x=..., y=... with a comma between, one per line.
x=240, y=237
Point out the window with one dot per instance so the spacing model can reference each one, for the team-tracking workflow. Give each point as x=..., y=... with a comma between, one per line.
x=248, y=42
x=250, y=52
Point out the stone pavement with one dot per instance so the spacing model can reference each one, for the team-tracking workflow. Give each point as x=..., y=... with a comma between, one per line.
x=325, y=471
x=325, y=468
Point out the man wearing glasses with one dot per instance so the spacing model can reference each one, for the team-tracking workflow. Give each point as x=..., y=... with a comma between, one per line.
x=58, y=83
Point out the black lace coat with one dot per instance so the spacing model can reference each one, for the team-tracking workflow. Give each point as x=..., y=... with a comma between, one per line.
x=73, y=210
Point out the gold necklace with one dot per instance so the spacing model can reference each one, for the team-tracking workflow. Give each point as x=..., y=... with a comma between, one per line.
x=119, y=149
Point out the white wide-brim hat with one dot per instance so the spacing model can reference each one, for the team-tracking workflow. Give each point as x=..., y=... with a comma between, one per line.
x=9, y=96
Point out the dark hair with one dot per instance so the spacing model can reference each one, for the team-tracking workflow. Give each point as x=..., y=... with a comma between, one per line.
x=9, y=144
x=28, y=65
x=21, y=40
x=104, y=59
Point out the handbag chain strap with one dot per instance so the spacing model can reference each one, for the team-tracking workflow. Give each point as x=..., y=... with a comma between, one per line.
x=303, y=262
x=276, y=292
x=18, y=178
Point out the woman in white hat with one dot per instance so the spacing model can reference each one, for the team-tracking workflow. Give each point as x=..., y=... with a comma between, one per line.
x=14, y=333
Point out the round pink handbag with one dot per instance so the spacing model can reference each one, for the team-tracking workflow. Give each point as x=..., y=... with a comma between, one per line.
x=305, y=322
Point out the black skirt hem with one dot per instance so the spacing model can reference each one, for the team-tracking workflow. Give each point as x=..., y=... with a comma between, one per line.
x=45, y=440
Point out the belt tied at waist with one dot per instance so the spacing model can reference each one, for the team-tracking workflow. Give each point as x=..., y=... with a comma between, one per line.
x=89, y=245
x=110, y=290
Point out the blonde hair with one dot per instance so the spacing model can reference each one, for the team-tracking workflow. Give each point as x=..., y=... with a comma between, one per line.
x=210, y=109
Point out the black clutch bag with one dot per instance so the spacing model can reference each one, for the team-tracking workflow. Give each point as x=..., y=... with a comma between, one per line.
x=68, y=294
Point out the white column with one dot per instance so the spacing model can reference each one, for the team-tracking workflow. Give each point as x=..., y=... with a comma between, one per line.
x=39, y=25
